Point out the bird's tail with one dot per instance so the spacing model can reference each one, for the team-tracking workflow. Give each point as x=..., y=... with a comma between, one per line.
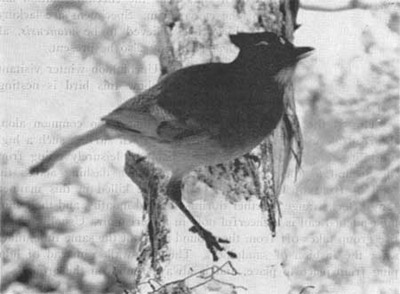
x=98, y=133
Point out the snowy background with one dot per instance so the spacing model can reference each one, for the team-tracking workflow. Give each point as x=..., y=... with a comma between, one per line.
x=61, y=72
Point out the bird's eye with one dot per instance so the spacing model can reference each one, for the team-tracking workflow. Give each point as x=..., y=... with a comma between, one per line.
x=282, y=40
x=262, y=43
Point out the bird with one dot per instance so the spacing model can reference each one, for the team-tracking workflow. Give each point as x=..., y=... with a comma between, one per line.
x=202, y=115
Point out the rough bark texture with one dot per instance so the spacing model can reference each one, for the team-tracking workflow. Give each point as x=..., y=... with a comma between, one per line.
x=154, y=244
x=259, y=174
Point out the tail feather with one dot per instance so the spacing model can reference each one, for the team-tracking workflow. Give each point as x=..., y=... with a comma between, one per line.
x=98, y=133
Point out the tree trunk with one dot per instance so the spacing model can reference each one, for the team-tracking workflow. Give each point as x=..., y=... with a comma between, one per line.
x=237, y=200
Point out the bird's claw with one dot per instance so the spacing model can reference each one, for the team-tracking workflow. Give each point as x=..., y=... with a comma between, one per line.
x=213, y=243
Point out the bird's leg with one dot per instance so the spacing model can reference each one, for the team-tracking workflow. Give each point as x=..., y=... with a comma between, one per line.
x=213, y=244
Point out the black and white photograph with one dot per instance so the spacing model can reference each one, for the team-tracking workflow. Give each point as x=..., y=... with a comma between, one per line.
x=200, y=146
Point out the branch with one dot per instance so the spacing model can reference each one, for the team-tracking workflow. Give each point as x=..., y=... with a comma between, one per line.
x=352, y=4
x=153, y=252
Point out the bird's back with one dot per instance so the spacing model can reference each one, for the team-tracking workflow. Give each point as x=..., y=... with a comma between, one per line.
x=222, y=100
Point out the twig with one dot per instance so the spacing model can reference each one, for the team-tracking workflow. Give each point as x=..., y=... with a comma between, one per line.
x=226, y=268
x=353, y=4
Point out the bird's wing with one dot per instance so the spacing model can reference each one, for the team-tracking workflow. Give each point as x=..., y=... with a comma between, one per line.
x=144, y=114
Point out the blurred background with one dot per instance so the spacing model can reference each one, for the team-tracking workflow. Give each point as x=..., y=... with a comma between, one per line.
x=64, y=64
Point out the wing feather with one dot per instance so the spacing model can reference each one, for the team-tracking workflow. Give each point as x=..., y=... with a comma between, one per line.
x=143, y=114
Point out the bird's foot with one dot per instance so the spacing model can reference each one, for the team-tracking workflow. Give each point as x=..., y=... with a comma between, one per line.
x=213, y=243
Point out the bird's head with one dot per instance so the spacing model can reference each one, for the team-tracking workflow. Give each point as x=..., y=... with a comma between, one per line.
x=266, y=50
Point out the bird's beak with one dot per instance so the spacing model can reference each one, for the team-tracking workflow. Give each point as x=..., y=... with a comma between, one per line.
x=303, y=52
